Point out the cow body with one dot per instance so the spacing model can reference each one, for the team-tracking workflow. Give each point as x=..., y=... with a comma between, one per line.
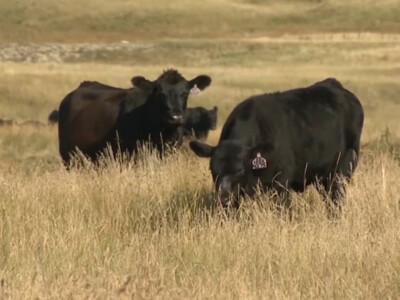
x=96, y=115
x=198, y=121
x=287, y=141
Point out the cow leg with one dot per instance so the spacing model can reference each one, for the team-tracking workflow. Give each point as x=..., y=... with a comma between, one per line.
x=335, y=186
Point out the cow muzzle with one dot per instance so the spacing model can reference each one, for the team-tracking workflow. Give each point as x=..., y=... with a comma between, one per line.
x=226, y=199
x=225, y=194
x=176, y=119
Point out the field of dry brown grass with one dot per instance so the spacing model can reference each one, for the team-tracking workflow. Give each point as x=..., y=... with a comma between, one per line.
x=151, y=230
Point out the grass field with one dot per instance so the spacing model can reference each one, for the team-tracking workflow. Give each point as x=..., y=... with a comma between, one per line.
x=94, y=20
x=152, y=230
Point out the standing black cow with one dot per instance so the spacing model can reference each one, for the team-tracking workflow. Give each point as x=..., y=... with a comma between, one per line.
x=286, y=141
x=198, y=121
x=95, y=115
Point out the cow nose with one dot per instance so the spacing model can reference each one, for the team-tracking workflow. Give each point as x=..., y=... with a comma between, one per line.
x=229, y=200
x=177, y=117
x=225, y=199
x=225, y=192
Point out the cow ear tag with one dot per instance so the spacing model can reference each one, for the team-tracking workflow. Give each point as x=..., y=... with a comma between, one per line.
x=259, y=162
x=195, y=90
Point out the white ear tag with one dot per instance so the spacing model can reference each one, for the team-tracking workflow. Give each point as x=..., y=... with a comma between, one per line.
x=195, y=90
x=259, y=162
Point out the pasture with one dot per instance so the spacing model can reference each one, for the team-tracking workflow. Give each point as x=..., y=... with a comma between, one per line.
x=151, y=230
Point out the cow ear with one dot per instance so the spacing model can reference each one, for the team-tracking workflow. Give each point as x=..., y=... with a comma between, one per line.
x=199, y=83
x=201, y=149
x=141, y=83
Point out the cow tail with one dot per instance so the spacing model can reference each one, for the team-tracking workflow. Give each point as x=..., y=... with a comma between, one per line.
x=63, y=134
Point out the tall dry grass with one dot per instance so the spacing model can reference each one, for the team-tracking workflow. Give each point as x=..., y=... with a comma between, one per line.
x=152, y=231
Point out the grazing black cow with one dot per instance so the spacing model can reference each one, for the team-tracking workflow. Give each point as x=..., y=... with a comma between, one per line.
x=198, y=121
x=53, y=117
x=286, y=141
x=94, y=114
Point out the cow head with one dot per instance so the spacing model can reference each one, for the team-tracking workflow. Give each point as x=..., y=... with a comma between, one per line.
x=169, y=94
x=213, y=114
x=235, y=168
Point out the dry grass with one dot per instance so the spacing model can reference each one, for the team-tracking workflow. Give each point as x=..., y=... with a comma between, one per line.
x=152, y=230
x=102, y=20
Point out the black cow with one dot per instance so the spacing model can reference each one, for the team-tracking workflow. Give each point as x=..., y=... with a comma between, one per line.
x=287, y=141
x=198, y=121
x=95, y=115
x=53, y=117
